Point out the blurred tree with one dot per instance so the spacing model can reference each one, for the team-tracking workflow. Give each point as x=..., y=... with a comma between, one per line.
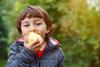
x=82, y=34
x=3, y=37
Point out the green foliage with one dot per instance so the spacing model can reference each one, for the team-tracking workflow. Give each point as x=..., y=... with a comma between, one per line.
x=2, y=63
x=82, y=33
x=3, y=37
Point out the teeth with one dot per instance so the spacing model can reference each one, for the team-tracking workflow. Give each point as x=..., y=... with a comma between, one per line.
x=33, y=37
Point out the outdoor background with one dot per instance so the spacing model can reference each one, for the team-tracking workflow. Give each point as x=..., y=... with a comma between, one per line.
x=77, y=28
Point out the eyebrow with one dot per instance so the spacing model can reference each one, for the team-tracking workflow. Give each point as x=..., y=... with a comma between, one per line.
x=38, y=20
x=25, y=22
x=35, y=20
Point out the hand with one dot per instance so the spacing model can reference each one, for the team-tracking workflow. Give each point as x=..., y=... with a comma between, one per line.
x=33, y=41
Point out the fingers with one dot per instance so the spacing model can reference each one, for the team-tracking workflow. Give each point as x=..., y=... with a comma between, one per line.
x=34, y=47
x=25, y=39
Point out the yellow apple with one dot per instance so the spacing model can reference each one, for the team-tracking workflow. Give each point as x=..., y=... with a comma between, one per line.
x=33, y=37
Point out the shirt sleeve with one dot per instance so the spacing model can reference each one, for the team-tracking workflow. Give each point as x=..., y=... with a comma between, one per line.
x=22, y=58
x=61, y=63
x=61, y=59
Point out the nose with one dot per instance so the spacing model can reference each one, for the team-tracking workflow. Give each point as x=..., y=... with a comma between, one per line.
x=32, y=29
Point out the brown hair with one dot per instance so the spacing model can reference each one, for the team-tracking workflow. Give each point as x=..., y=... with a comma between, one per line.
x=34, y=11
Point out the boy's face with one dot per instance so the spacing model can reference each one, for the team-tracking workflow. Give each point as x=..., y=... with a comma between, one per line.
x=34, y=24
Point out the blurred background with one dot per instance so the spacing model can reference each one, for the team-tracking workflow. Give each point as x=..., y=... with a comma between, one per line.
x=77, y=28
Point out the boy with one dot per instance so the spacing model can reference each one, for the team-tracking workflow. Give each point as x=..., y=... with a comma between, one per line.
x=42, y=51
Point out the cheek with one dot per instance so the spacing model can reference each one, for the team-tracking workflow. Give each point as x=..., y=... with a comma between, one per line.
x=42, y=33
x=24, y=31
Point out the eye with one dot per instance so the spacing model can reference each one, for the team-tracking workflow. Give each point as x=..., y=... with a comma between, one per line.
x=38, y=23
x=26, y=25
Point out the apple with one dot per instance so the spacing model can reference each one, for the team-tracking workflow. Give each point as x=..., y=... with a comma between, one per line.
x=34, y=37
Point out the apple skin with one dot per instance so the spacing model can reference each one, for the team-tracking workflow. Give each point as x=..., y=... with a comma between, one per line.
x=33, y=37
